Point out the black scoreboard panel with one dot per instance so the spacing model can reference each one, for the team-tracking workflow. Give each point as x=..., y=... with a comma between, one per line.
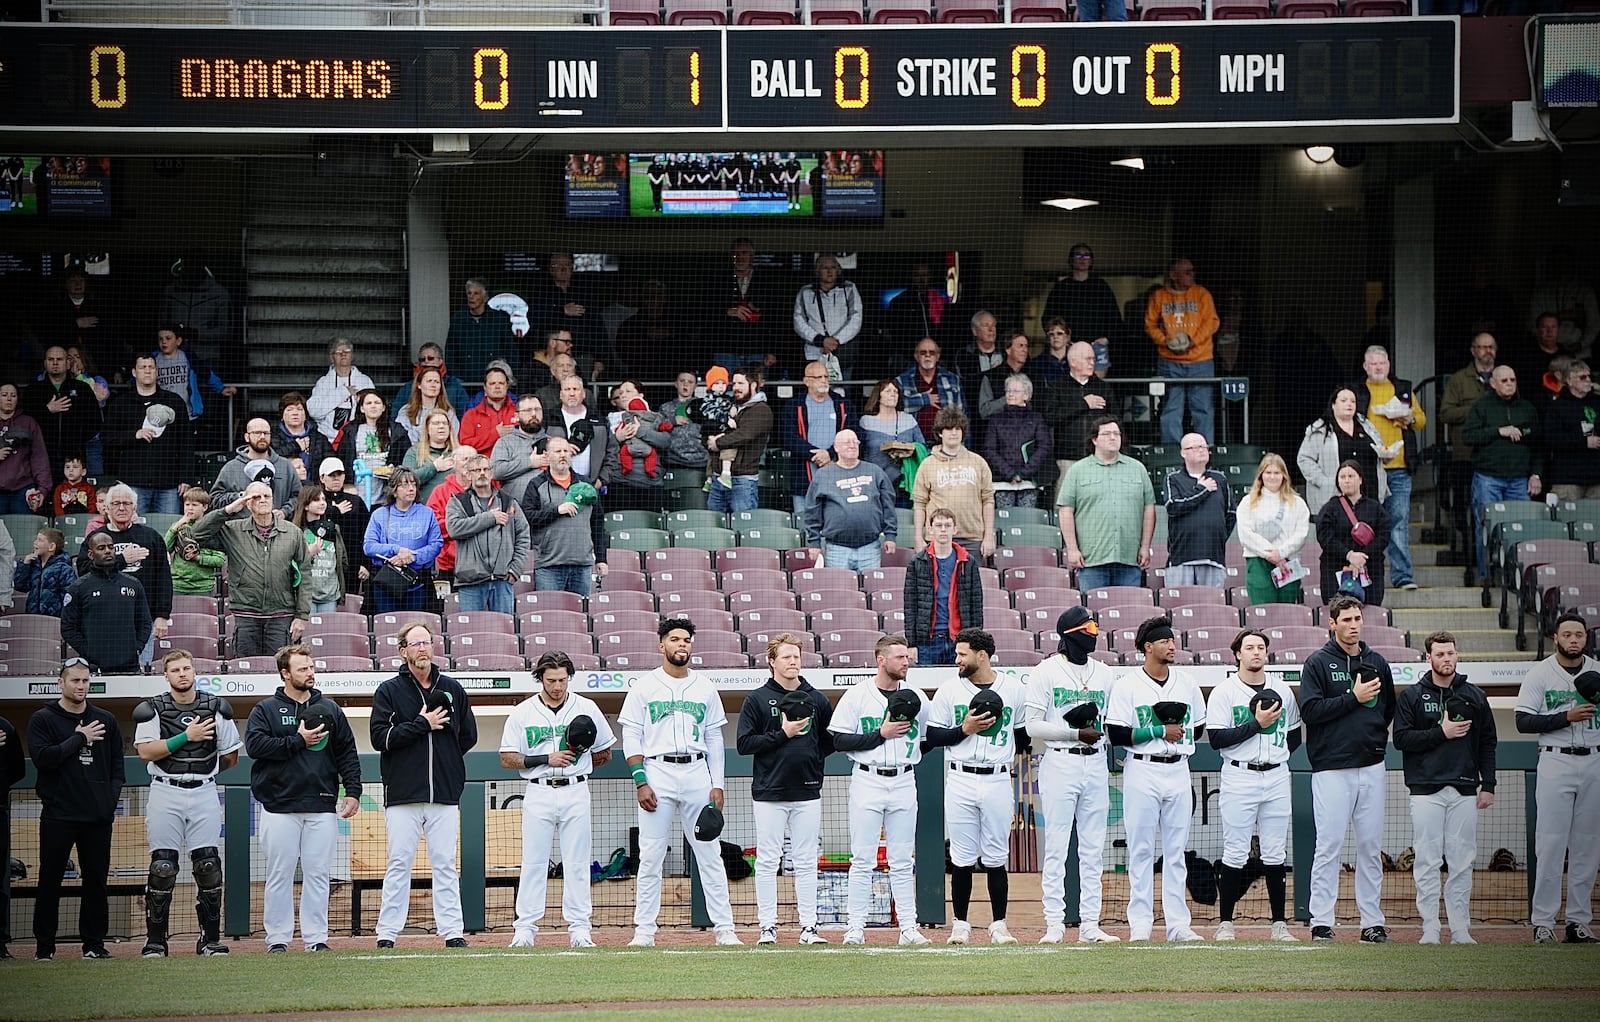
x=708, y=80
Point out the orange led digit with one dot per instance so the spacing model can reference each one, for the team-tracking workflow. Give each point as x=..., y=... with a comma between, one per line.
x=1151, y=53
x=501, y=61
x=1018, y=55
x=841, y=97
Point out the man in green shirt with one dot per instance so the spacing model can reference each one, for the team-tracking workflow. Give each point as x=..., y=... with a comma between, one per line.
x=1107, y=509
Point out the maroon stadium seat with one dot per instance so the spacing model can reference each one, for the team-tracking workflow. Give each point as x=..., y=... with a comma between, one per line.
x=548, y=599
x=635, y=13
x=485, y=644
x=1039, y=10
x=672, y=558
x=1277, y=615
x=901, y=12
x=488, y=662
x=480, y=621
x=1205, y=615
x=554, y=621
x=624, y=620
x=1179, y=596
x=625, y=599
x=339, y=644
x=837, y=12
x=741, y=579
x=763, y=12
x=695, y=12
x=739, y=558
x=963, y=12
x=338, y=663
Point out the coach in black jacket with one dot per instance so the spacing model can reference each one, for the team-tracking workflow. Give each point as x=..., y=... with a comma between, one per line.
x=422, y=727
x=784, y=728
x=13, y=766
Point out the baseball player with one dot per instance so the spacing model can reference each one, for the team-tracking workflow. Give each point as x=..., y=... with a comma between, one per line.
x=1555, y=706
x=1159, y=716
x=978, y=717
x=671, y=724
x=1065, y=698
x=1347, y=702
x=555, y=740
x=1254, y=729
x=422, y=726
x=301, y=750
x=880, y=727
x=783, y=727
x=187, y=737
x=1445, y=732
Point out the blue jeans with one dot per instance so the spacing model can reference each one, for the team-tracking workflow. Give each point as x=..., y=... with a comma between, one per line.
x=572, y=578
x=324, y=606
x=413, y=599
x=495, y=596
x=744, y=496
x=856, y=558
x=1489, y=490
x=1102, y=10
x=15, y=502
x=1197, y=395
x=1112, y=574
x=161, y=502
x=1398, y=507
x=94, y=458
x=1195, y=574
x=936, y=652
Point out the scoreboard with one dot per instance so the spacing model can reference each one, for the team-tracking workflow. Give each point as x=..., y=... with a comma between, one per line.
x=749, y=80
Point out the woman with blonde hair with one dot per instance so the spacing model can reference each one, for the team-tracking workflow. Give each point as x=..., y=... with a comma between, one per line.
x=1274, y=523
x=427, y=395
x=429, y=457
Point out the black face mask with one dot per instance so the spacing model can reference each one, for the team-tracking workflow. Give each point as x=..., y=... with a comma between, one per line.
x=1077, y=641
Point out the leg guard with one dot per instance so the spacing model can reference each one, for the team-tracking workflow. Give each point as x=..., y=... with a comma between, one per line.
x=158, y=897
x=208, y=892
x=1277, y=891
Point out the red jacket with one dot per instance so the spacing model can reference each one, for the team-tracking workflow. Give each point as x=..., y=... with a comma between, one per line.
x=438, y=500
x=479, y=425
x=922, y=583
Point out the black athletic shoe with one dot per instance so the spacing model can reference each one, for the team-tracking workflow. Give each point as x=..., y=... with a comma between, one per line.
x=456, y=943
x=5, y=955
x=319, y=947
x=277, y=949
x=154, y=951
x=1322, y=933
x=206, y=949
x=385, y=945
x=96, y=952
x=1577, y=933
x=44, y=956
x=1375, y=935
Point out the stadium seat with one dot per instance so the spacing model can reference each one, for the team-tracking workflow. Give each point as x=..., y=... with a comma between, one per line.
x=537, y=643
x=1004, y=516
x=695, y=12
x=772, y=537
x=832, y=599
x=674, y=558
x=1055, y=599
x=635, y=13
x=391, y=623
x=1277, y=615
x=720, y=660
x=705, y=538
x=814, y=579
x=740, y=557
x=1123, y=616
x=334, y=663
x=338, y=623
x=632, y=519
x=772, y=620
x=624, y=620
x=1015, y=648
x=880, y=578
x=1213, y=657
x=631, y=661
x=198, y=645
x=800, y=559
x=761, y=518
x=852, y=640
x=1297, y=635
x=1400, y=654
x=966, y=12
x=253, y=665
x=1040, y=10
x=1171, y=10
x=1041, y=576
x=994, y=597
x=710, y=639
x=1009, y=557
x=695, y=518
x=753, y=578
x=1120, y=596
x=624, y=599
x=340, y=644
x=618, y=579
x=899, y=557
x=194, y=624
x=681, y=604
x=1377, y=8
x=1241, y=10
x=27, y=667
x=192, y=603
x=1293, y=655
x=1107, y=656
x=553, y=620
x=640, y=539
x=901, y=12
x=616, y=558
x=489, y=662
x=581, y=660
x=1308, y=8
x=1201, y=638
x=1571, y=511
x=677, y=580
x=1181, y=596
x=640, y=643
x=761, y=599
x=837, y=12
x=479, y=621
x=884, y=600
x=1384, y=635
x=548, y=599
x=31, y=647
x=484, y=644
x=1031, y=534
x=1205, y=615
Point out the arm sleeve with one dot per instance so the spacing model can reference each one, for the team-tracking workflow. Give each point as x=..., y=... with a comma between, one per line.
x=857, y=743
x=891, y=521
x=72, y=625
x=50, y=755
x=1541, y=723
x=1227, y=738
x=344, y=743
x=1120, y=734
x=261, y=743
x=208, y=530
x=715, y=758
x=466, y=724
x=1045, y=729
x=1477, y=431
x=1488, y=743
x=1181, y=497
x=462, y=524
x=538, y=514
x=1316, y=706
x=632, y=739
x=941, y=737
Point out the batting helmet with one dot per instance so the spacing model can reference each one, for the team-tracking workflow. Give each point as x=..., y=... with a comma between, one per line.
x=708, y=825
x=581, y=734
x=1170, y=711
x=904, y=704
x=1083, y=715
x=1588, y=686
x=988, y=701
x=797, y=705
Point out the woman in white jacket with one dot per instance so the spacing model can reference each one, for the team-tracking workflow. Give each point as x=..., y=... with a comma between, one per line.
x=1274, y=523
x=1342, y=434
x=337, y=389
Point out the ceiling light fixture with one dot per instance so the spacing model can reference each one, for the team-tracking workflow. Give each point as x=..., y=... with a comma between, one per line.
x=1070, y=203
x=1132, y=163
x=1319, y=154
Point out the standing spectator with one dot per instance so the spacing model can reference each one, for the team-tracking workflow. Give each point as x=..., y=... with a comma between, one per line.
x=66, y=409
x=479, y=334
x=810, y=423
x=992, y=388
x=405, y=534
x=783, y=727
x=371, y=437
x=350, y=513
x=1018, y=447
x=13, y=767
x=849, y=506
x=742, y=312
x=325, y=566
x=980, y=355
x=431, y=457
x=1347, y=701
x=927, y=388
x=268, y=597
x=194, y=568
x=1444, y=729
x=140, y=552
x=77, y=750
x=686, y=448
x=561, y=367
x=430, y=356
x=459, y=481
x=521, y=453
x=1534, y=356
x=569, y=535
x=88, y=321
x=747, y=437
x=492, y=541
x=427, y=395
x=1051, y=364
x=827, y=318
x=943, y=592
x=204, y=307
x=46, y=574
x=1200, y=517
x=1501, y=429
x=25, y=477
x=255, y=461
x=1182, y=318
x=333, y=398
x=594, y=448
x=184, y=375
x=1563, y=290
x=1072, y=402
x=149, y=441
x=1350, y=530
x=642, y=438
x=296, y=439
x=423, y=728
x=301, y=751
x=1569, y=435
x=83, y=371
x=557, y=342
x=1461, y=392
x=958, y=480
x=560, y=300
x=1342, y=434
x=1398, y=417
x=888, y=433
x=494, y=416
x=1274, y=524
x=1083, y=303
x=914, y=313
x=1107, y=509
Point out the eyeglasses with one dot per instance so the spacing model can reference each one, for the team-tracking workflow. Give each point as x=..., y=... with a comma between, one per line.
x=1083, y=255
x=421, y=644
x=257, y=432
x=1196, y=447
x=74, y=661
x=1581, y=376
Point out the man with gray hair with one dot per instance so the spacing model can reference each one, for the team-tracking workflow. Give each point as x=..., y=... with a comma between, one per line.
x=827, y=315
x=266, y=559
x=141, y=552
x=1570, y=436
x=1389, y=404
x=491, y=536
x=480, y=334
x=458, y=482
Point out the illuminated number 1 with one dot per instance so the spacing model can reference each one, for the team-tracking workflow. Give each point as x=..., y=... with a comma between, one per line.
x=502, y=71
x=1151, y=96
x=683, y=79
x=99, y=58
x=841, y=98
x=1018, y=53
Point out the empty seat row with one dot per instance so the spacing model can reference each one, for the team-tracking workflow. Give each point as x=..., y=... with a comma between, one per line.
x=956, y=12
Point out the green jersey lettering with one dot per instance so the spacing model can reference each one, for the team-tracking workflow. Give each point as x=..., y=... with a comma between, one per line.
x=660, y=711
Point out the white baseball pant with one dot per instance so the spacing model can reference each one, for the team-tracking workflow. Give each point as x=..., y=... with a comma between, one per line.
x=1341, y=798
x=1252, y=802
x=978, y=810
x=406, y=824
x=1444, y=825
x=1157, y=795
x=183, y=817
x=1567, y=828
x=682, y=790
x=1073, y=788
x=803, y=823
x=288, y=839
x=545, y=810
x=889, y=805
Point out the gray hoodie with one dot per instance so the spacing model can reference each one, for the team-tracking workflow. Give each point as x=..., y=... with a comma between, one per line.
x=486, y=550
x=239, y=473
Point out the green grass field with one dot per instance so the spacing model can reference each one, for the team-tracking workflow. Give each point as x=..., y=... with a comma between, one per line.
x=1136, y=983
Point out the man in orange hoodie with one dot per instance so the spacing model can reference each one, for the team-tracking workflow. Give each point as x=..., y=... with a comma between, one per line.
x=1181, y=319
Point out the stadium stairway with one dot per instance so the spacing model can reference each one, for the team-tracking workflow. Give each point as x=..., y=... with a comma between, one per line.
x=1444, y=603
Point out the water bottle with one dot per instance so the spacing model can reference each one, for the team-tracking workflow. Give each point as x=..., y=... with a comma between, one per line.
x=1102, y=356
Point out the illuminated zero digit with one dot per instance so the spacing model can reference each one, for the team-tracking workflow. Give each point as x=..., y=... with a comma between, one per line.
x=841, y=97
x=481, y=60
x=108, y=60
x=1018, y=55
x=1151, y=58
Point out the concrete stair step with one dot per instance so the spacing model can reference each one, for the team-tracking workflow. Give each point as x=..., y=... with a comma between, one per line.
x=1477, y=641
x=1432, y=597
x=1419, y=622
x=1432, y=576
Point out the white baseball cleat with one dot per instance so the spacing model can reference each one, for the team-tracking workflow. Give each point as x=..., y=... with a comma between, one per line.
x=1054, y=935
x=1461, y=938
x=999, y=934
x=1280, y=933
x=582, y=940
x=1090, y=933
x=855, y=938
x=809, y=935
x=1430, y=935
x=642, y=940
x=912, y=938
x=960, y=932
x=1224, y=932
x=727, y=938
x=522, y=940
x=1185, y=936
x=769, y=935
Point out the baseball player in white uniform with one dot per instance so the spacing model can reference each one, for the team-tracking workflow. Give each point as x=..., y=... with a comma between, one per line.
x=1552, y=705
x=671, y=724
x=977, y=717
x=1347, y=701
x=187, y=737
x=880, y=727
x=535, y=744
x=1159, y=716
x=1254, y=728
x=1074, y=781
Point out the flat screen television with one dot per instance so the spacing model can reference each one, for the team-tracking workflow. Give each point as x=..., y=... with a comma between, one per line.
x=827, y=184
x=76, y=186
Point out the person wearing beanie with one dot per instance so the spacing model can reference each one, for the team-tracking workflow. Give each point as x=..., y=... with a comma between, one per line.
x=717, y=411
x=1066, y=695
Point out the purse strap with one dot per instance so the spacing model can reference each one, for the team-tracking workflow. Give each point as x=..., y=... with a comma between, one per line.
x=1349, y=512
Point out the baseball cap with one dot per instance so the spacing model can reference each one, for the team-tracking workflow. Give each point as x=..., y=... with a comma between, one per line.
x=330, y=465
